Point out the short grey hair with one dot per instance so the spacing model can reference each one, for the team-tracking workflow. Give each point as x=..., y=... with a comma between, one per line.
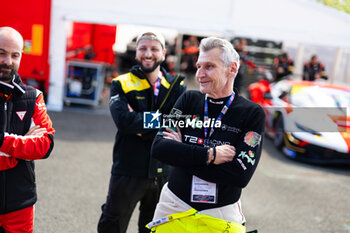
x=229, y=54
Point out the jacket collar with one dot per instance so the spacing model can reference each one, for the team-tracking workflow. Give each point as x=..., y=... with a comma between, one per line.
x=16, y=85
x=136, y=70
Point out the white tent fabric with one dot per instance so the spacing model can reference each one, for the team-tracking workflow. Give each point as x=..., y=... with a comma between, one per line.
x=303, y=21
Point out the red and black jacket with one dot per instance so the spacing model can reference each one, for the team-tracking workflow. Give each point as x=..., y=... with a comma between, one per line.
x=21, y=107
x=310, y=71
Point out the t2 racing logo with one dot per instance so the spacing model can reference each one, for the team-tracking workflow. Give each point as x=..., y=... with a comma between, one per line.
x=201, y=141
x=151, y=120
x=193, y=139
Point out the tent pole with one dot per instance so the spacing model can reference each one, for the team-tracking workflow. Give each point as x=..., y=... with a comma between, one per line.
x=336, y=66
x=298, y=70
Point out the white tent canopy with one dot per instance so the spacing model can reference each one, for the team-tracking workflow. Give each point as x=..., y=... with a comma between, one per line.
x=303, y=21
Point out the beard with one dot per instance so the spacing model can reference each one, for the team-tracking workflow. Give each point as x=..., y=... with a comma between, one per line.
x=148, y=70
x=5, y=75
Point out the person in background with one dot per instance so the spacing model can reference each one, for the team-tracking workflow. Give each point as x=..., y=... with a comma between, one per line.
x=240, y=47
x=260, y=92
x=137, y=99
x=89, y=53
x=283, y=67
x=190, y=54
x=314, y=70
x=170, y=64
x=26, y=134
x=212, y=163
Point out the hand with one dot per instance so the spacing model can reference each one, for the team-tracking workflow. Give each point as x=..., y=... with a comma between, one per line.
x=130, y=108
x=224, y=153
x=280, y=70
x=173, y=135
x=36, y=131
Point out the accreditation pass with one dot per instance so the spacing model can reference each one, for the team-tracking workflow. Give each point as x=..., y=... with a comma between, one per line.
x=203, y=191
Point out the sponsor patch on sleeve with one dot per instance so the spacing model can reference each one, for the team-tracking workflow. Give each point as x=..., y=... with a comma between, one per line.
x=244, y=156
x=114, y=99
x=242, y=164
x=252, y=138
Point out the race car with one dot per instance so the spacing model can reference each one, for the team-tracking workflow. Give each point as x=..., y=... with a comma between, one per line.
x=308, y=121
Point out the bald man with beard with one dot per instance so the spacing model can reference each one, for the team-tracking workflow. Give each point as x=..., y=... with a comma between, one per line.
x=11, y=44
x=26, y=134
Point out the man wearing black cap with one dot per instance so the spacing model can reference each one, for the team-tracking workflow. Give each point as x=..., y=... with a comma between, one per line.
x=138, y=98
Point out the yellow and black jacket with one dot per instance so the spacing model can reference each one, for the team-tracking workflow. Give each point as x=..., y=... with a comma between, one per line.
x=131, y=153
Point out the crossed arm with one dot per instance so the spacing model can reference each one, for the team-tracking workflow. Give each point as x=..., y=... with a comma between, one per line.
x=37, y=143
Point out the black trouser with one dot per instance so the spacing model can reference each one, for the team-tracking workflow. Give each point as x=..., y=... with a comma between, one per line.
x=123, y=194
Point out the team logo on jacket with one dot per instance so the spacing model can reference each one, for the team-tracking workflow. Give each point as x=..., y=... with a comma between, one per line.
x=114, y=99
x=41, y=106
x=193, y=139
x=21, y=114
x=133, y=84
x=244, y=155
x=151, y=120
x=252, y=138
x=230, y=128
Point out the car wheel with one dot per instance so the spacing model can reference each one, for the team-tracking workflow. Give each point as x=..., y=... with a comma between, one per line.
x=278, y=140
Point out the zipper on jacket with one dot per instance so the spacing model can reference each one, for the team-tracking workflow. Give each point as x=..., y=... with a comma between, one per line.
x=5, y=120
x=171, y=87
x=4, y=172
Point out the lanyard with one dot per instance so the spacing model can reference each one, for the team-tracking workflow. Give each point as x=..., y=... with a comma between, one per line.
x=156, y=88
x=221, y=115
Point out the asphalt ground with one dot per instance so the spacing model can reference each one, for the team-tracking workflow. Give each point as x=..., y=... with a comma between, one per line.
x=283, y=196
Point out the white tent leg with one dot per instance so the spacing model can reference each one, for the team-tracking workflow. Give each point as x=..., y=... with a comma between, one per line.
x=299, y=62
x=337, y=60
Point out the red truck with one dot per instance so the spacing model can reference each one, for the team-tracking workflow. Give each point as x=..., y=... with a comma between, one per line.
x=32, y=20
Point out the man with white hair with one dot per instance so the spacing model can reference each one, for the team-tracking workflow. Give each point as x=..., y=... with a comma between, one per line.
x=147, y=90
x=216, y=146
x=26, y=134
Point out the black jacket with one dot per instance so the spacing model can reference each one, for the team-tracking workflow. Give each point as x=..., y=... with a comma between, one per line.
x=131, y=153
x=242, y=127
x=23, y=108
x=310, y=70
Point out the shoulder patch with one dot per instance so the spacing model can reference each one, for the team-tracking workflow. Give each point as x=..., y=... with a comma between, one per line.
x=252, y=138
x=130, y=82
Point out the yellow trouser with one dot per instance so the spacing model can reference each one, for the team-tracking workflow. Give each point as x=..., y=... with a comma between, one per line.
x=191, y=222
